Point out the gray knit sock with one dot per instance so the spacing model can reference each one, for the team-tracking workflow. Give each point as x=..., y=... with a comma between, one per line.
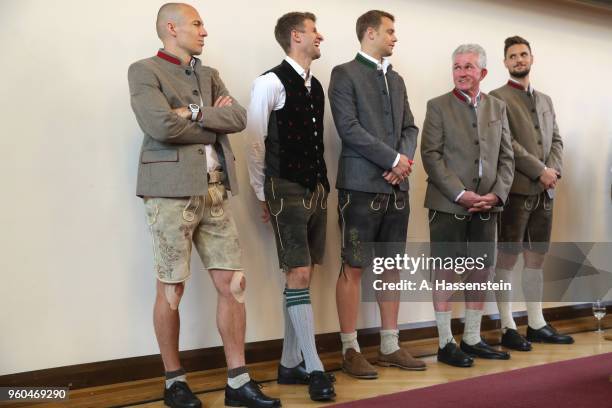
x=174, y=376
x=504, y=299
x=300, y=313
x=445, y=335
x=533, y=285
x=291, y=356
x=237, y=377
x=349, y=340
x=471, y=331
x=389, y=341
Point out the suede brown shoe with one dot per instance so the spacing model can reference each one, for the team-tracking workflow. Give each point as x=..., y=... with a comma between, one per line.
x=356, y=365
x=401, y=358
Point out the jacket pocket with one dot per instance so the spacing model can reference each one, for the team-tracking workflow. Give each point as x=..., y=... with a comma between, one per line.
x=157, y=156
x=495, y=122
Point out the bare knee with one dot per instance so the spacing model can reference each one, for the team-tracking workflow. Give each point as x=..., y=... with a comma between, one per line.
x=351, y=273
x=533, y=260
x=298, y=278
x=230, y=284
x=170, y=293
x=506, y=260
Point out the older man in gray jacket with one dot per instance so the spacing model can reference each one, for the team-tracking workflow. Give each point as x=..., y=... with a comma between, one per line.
x=186, y=165
x=467, y=154
x=371, y=112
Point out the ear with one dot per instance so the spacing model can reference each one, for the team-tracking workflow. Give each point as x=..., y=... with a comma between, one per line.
x=295, y=36
x=483, y=73
x=171, y=27
x=371, y=33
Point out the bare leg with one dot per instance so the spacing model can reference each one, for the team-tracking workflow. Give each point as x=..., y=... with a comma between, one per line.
x=441, y=297
x=231, y=318
x=167, y=325
x=348, y=289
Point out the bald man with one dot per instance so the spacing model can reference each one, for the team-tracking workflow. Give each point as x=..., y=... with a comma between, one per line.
x=185, y=169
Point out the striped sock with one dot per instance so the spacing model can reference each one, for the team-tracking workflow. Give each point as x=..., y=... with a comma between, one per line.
x=299, y=310
x=291, y=356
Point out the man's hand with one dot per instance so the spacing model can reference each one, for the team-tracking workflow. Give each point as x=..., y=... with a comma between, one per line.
x=403, y=167
x=485, y=203
x=549, y=177
x=223, y=101
x=183, y=112
x=468, y=199
x=265, y=215
x=392, y=178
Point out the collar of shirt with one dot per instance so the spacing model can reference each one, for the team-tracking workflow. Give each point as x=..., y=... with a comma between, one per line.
x=301, y=72
x=380, y=66
x=466, y=98
x=173, y=59
x=516, y=84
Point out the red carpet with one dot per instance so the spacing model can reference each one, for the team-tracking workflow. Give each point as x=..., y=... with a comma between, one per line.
x=578, y=383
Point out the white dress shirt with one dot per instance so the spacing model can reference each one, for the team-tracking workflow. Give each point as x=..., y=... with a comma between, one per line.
x=267, y=95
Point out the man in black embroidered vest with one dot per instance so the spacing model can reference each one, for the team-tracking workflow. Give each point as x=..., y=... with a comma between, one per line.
x=371, y=112
x=289, y=177
x=526, y=222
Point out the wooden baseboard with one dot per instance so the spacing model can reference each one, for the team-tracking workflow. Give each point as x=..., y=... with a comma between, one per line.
x=421, y=335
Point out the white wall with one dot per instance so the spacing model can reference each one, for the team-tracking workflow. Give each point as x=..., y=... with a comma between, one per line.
x=77, y=282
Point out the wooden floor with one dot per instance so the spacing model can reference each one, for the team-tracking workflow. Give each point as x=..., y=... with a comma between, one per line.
x=209, y=385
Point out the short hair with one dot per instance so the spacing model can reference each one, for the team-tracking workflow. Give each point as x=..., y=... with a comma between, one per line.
x=166, y=12
x=289, y=22
x=510, y=41
x=372, y=18
x=472, y=49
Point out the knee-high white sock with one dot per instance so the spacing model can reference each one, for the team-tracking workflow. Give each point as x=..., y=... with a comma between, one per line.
x=533, y=285
x=291, y=355
x=389, y=341
x=349, y=340
x=445, y=335
x=300, y=313
x=504, y=298
x=471, y=331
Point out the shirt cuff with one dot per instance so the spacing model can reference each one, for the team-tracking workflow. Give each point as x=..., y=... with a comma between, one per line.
x=459, y=196
x=260, y=195
x=397, y=159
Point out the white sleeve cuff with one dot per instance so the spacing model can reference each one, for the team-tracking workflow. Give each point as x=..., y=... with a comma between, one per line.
x=397, y=159
x=459, y=196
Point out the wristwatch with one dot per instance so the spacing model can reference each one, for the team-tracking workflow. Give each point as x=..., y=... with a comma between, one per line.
x=195, y=109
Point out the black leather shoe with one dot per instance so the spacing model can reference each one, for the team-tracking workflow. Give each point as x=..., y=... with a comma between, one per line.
x=452, y=355
x=180, y=396
x=513, y=340
x=320, y=387
x=297, y=375
x=249, y=395
x=548, y=334
x=483, y=350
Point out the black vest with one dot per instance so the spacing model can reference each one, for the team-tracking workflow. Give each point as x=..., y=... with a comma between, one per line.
x=294, y=144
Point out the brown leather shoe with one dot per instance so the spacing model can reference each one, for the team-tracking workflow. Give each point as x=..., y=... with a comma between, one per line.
x=402, y=359
x=356, y=365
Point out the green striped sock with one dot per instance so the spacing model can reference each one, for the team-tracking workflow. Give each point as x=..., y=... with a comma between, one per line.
x=295, y=297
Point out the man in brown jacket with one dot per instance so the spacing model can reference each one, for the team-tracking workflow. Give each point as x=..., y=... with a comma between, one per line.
x=186, y=165
x=467, y=154
x=526, y=222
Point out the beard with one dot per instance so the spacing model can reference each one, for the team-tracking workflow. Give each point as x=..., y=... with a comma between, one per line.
x=520, y=74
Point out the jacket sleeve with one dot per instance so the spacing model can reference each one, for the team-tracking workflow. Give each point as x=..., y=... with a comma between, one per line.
x=227, y=119
x=154, y=114
x=555, y=157
x=342, y=99
x=505, y=162
x=408, y=141
x=432, y=154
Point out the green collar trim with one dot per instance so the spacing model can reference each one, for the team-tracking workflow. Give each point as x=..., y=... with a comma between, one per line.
x=360, y=58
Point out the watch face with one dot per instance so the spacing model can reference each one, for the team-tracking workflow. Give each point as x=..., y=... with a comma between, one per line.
x=194, y=107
